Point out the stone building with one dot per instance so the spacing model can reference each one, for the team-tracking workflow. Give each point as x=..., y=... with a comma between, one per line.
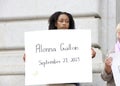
x=19, y=16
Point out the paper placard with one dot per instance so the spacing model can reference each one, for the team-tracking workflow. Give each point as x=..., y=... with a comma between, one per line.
x=116, y=68
x=58, y=56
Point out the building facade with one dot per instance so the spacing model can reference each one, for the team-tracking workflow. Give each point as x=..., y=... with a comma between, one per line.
x=19, y=16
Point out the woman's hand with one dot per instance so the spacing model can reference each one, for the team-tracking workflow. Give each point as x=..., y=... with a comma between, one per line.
x=24, y=57
x=108, y=63
x=93, y=52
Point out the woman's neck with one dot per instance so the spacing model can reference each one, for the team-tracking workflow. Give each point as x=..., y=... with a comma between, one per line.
x=119, y=40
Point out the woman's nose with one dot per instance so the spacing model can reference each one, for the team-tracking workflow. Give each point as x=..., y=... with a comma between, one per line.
x=64, y=22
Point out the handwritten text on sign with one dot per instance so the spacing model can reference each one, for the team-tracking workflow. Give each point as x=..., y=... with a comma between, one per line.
x=62, y=47
x=58, y=56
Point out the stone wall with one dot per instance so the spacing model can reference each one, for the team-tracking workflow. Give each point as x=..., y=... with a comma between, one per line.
x=19, y=16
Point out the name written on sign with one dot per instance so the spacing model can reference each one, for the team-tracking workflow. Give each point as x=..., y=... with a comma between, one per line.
x=62, y=47
x=40, y=48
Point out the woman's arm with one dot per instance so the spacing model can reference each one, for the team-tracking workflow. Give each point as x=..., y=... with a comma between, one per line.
x=107, y=72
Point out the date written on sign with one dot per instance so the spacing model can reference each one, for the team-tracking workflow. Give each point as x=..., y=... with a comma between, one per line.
x=55, y=61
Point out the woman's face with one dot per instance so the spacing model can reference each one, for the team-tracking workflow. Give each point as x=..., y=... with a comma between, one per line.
x=62, y=22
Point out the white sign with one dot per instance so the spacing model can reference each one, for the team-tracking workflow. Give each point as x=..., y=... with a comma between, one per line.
x=116, y=68
x=58, y=56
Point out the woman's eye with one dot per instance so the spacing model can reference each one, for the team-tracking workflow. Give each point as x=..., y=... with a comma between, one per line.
x=67, y=21
x=63, y=21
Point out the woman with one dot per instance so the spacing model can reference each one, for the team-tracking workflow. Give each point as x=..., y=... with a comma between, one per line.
x=63, y=20
x=107, y=74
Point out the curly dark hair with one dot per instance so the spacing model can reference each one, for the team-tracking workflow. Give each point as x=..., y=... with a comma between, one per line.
x=54, y=17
